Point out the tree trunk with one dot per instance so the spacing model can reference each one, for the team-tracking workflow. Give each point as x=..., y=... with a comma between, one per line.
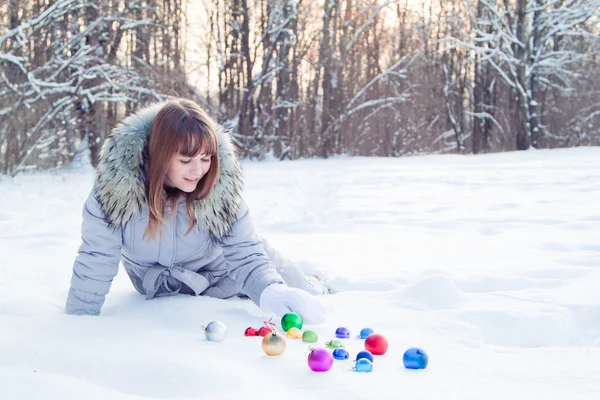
x=13, y=74
x=534, y=87
x=523, y=138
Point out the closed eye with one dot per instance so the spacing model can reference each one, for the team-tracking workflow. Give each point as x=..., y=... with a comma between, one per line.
x=184, y=161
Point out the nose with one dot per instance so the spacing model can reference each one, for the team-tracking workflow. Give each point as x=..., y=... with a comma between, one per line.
x=197, y=167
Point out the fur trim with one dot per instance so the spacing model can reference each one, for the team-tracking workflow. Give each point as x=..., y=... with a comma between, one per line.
x=120, y=184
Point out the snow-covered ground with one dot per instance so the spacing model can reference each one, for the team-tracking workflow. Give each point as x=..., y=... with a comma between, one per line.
x=489, y=263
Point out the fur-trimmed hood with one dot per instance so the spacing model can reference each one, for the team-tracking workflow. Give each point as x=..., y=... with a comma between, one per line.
x=120, y=181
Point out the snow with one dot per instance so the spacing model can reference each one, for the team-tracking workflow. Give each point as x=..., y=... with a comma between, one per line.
x=490, y=263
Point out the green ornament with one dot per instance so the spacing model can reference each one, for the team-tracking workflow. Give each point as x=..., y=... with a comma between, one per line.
x=291, y=320
x=335, y=344
x=310, y=336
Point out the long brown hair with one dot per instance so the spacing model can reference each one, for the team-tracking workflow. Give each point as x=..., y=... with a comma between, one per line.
x=180, y=126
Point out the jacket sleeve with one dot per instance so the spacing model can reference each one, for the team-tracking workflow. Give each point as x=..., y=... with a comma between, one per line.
x=97, y=262
x=248, y=264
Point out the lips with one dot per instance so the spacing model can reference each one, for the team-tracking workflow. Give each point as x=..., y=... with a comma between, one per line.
x=192, y=180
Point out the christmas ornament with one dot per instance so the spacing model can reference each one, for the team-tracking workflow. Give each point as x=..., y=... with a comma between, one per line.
x=415, y=358
x=320, y=360
x=342, y=332
x=335, y=344
x=264, y=331
x=267, y=328
x=273, y=344
x=216, y=331
x=363, y=365
x=250, y=331
x=340, y=354
x=291, y=320
x=294, y=333
x=310, y=337
x=364, y=332
x=364, y=354
x=376, y=343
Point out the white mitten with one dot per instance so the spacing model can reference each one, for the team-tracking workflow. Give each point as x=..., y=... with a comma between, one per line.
x=280, y=299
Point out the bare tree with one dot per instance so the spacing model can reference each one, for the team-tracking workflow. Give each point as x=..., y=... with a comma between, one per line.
x=72, y=60
x=527, y=44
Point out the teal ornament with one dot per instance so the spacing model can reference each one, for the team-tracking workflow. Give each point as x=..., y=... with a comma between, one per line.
x=340, y=354
x=363, y=365
x=364, y=332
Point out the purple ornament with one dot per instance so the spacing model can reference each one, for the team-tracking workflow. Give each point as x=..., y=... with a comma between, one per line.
x=342, y=332
x=320, y=360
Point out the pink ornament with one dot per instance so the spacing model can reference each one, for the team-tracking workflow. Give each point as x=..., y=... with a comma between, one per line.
x=320, y=360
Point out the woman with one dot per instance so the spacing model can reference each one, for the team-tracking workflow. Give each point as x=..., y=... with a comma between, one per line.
x=167, y=204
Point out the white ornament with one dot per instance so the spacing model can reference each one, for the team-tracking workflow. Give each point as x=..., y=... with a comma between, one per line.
x=216, y=331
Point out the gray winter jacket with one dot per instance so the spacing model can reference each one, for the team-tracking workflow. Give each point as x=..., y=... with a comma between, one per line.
x=221, y=257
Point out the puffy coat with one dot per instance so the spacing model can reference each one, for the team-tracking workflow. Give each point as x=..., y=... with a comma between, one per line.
x=221, y=257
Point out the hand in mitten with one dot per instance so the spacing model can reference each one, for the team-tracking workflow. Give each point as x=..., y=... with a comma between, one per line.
x=281, y=299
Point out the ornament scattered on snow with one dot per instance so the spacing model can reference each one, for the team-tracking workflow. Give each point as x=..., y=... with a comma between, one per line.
x=250, y=331
x=342, y=332
x=364, y=332
x=335, y=344
x=291, y=320
x=216, y=331
x=364, y=354
x=376, y=343
x=264, y=331
x=267, y=328
x=273, y=344
x=319, y=360
x=310, y=337
x=415, y=358
x=294, y=333
x=340, y=354
x=363, y=365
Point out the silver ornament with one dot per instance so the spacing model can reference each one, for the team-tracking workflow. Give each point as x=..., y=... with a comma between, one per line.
x=216, y=331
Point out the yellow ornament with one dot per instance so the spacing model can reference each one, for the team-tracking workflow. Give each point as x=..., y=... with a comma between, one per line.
x=273, y=344
x=294, y=333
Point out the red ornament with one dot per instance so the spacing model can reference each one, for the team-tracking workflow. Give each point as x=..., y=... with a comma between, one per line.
x=250, y=331
x=377, y=344
x=264, y=331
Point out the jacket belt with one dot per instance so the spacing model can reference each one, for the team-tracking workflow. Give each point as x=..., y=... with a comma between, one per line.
x=157, y=275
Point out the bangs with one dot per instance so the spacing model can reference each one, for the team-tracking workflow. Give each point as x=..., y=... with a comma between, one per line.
x=197, y=139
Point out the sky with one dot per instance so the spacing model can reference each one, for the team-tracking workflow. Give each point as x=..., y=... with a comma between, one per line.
x=490, y=263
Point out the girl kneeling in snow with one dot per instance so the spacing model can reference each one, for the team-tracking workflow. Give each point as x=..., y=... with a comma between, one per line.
x=167, y=203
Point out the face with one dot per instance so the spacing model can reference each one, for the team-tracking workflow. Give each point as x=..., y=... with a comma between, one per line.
x=185, y=172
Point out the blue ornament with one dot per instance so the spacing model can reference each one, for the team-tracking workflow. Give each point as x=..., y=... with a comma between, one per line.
x=342, y=332
x=340, y=354
x=364, y=332
x=415, y=358
x=363, y=365
x=364, y=354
